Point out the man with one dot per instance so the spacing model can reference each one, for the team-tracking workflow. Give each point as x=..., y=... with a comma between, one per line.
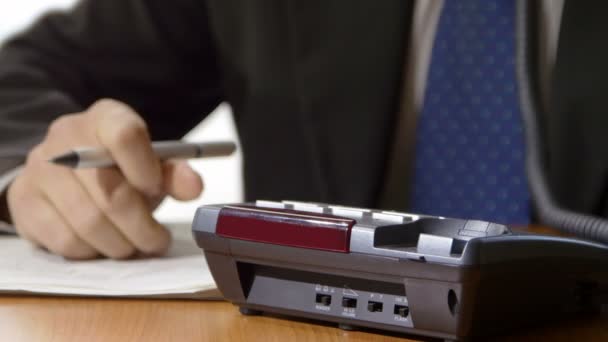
x=325, y=96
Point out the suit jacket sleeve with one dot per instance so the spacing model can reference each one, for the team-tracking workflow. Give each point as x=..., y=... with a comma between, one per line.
x=155, y=55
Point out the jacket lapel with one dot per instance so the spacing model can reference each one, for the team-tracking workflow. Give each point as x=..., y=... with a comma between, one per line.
x=347, y=60
x=576, y=123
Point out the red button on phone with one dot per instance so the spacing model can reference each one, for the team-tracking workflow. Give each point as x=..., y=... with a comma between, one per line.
x=286, y=227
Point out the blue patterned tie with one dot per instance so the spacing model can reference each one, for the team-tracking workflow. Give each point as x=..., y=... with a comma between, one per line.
x=470, y=159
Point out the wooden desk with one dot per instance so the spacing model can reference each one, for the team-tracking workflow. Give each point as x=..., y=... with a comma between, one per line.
x=36, y=318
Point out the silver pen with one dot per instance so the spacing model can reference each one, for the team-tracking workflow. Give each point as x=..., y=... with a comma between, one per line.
x=91, y=157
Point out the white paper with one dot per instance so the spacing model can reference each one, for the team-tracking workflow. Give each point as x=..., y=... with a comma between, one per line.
x=181, y=272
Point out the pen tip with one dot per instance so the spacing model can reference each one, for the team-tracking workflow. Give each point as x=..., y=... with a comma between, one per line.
x=69, y=159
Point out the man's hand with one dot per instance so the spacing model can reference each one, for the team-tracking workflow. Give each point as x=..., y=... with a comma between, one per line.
x=85, y=213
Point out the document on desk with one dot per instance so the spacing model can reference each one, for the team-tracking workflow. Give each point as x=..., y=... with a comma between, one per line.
x=181, y=273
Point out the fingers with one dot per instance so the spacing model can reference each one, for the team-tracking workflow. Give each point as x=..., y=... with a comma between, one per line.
x=125, y=135
x=88, y=222
x=126, y=208
x=84, y=213
x=36, y=219
x=181, y=181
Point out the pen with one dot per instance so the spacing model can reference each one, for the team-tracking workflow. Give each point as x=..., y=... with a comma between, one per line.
x=90, y=157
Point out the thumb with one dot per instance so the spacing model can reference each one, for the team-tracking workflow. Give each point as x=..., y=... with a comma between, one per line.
x=180, y=181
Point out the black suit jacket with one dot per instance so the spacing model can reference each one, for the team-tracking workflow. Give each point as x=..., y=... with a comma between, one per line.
x=314, y=86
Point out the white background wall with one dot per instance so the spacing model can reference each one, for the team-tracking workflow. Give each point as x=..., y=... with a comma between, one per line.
x=222, y=176
x=17, y=14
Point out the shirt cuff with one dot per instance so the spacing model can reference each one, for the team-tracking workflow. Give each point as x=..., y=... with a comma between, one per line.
x=5, y=180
